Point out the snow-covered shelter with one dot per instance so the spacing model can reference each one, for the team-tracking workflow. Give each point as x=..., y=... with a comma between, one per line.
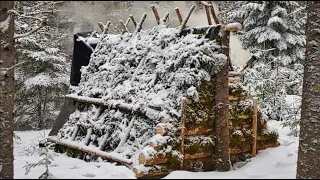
x=136, y=89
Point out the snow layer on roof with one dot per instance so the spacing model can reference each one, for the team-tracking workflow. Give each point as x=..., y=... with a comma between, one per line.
x=151, y=71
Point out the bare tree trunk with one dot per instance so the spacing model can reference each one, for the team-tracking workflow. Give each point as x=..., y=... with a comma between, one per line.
x=308, y=166
x=221, y=158
x=6, y=90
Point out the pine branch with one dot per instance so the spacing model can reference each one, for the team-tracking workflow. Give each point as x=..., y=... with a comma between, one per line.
x=44, y=22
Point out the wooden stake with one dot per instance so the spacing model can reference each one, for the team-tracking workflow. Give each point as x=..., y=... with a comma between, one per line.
x=185, y=20
x=155, y=12
x=208, y=14
x=255, y=124
x=214, y=16
x=133, y=20
x=88, y=136
x=183, y=121
x=178, y=14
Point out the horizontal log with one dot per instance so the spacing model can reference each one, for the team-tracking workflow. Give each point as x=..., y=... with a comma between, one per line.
x=158, y=159
x=197, y=130
x=248, y=149
x=110, y=156
x=154, y=172
x=234, y=98
x=162, y=158
x=198, y=155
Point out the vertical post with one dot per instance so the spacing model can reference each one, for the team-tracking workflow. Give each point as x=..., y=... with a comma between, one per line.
x=183, y=121
x=178, y=14
x=208, y=14
x=255, y=124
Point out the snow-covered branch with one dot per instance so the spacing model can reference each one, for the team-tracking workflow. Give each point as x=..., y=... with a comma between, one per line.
x=28, y=33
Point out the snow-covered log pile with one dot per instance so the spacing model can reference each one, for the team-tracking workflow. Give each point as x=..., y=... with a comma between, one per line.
x=128, y=102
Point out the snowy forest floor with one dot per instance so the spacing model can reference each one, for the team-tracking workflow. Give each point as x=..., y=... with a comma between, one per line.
x=279, y=162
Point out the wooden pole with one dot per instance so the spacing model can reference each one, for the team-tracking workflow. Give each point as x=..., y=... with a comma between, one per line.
x=255, y=124
x=155, y=12
x=208, y=14
x=185, y=20
x=178, y=14
x=133, y=20
x=214, y=16
x=127, y=22
x=183, y=121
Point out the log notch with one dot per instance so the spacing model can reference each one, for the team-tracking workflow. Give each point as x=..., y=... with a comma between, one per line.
x=255, y=124
x=179, y=15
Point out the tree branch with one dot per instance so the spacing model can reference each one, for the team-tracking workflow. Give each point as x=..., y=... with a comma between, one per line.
x=30, y=32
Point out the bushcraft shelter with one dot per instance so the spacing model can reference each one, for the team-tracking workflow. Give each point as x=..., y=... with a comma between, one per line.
x=149, y=99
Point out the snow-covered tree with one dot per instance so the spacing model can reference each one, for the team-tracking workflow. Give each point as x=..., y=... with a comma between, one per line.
x=274, y=32
x=43, y=74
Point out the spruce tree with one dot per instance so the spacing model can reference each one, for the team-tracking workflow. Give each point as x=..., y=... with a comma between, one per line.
x=274, y=32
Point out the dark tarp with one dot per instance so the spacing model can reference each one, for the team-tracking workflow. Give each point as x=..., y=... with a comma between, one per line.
x=81, y=57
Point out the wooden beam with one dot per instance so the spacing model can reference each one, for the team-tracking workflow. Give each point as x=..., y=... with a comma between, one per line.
x=255, y=124
x=124, y=27
x=110, y=156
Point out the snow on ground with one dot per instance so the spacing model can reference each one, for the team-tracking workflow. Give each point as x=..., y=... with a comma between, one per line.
x=279, y=162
